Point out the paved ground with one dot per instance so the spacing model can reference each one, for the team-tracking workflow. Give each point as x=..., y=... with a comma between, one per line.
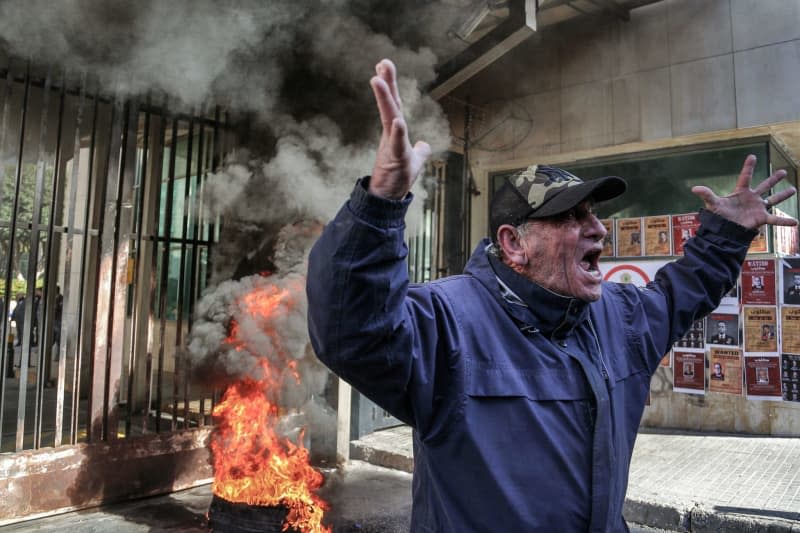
x=678, y=482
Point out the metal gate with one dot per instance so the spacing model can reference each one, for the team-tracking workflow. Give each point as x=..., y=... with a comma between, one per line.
x=104, y=248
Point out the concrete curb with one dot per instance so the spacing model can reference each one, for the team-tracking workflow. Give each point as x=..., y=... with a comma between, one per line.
x=366, y=452
x=696, y=518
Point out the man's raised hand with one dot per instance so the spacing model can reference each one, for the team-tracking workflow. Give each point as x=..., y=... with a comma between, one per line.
x=745, y=206
x=397, y=163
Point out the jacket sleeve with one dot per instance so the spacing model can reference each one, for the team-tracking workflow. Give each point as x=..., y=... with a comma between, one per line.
x=690, y=288
x=391, y=343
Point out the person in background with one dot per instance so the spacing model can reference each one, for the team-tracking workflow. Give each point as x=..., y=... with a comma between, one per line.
x=18, y=317
x=525, y=378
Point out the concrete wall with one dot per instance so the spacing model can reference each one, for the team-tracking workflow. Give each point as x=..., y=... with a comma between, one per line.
x=676, y=69
x=680, y=72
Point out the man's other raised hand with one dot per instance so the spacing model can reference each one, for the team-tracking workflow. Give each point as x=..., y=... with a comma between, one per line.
x=749, y=207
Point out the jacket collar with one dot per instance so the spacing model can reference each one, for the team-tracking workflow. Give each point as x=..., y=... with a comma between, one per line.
x=531, y=305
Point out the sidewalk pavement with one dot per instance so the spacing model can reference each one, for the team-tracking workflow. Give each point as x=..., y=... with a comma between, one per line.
x=682, y=482
x=678, y=482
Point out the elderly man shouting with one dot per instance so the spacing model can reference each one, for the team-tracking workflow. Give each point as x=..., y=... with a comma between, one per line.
x=524, y=378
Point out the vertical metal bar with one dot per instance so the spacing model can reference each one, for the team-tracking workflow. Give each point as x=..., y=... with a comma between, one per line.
x=49, y=296
x=193, y=276
x=85, y=251
x=125, y=227
x=164, y=278
x=441, y=183
x=465, y=189
x=155, y=184
x=138, y=229
x=426, y=242
x=9, y=83
x=23, y=375
x=216, y=159
x=7, y=295
x=118, y=242
x=181, y=282
x=6, y=358
x=67, y=337
x=101, y=369
x=32, y=312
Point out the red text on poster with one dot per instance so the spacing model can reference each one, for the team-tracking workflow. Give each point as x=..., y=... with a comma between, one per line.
x=758, y=282
x=688, y=372
x=763, y=377
x=683, y=228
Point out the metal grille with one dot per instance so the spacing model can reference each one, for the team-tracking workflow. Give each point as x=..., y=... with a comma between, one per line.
x=423, y=245
x=104, y=249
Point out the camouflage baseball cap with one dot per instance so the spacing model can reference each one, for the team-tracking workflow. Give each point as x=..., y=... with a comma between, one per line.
x=541, y=191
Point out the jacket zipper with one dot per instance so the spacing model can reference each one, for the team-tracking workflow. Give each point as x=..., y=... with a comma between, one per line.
x=599, y=350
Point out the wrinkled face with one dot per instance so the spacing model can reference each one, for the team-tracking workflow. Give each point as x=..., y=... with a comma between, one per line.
x=562, y=253
x=721, y=328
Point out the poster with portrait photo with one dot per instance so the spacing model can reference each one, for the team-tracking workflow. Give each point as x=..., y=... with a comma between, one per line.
x=760, y=244
x=790, y=329
x=790, y=377
x=790, y=280
x=695, y=337
x=722, y=329
x=608, y=240
x=762, y=377
x=758, y=282
x=684, y=227
x=629, y=237
x=760, y=329
x=725, y=370
x=688, y=371
x=657, y=236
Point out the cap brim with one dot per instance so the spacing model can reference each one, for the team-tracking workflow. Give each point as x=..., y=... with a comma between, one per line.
x=599, y=190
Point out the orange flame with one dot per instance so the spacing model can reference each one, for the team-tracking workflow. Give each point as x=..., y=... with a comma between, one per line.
x=252, y=463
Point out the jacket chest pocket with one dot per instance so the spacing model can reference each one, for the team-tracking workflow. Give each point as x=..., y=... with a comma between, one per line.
x=505, y=395
x=539, y=384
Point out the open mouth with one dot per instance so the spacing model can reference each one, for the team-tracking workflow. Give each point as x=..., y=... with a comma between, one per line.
x=590, y=263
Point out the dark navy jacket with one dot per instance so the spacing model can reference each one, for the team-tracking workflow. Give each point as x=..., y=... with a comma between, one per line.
x=525, y=404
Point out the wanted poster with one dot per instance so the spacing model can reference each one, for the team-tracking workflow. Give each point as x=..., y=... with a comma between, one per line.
x=760, y=329
x=762, y=377
x=790, y=377
x=790, y=281
x=656, y=236
x=758, y=282
x=688, y=372
x=725, y=370
x=684, y=228
x=608, y=240
x=759, y=245
x=629, y=237
x=785, y=237
x=722, y=329
x=695, y=337
x=790, y=329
